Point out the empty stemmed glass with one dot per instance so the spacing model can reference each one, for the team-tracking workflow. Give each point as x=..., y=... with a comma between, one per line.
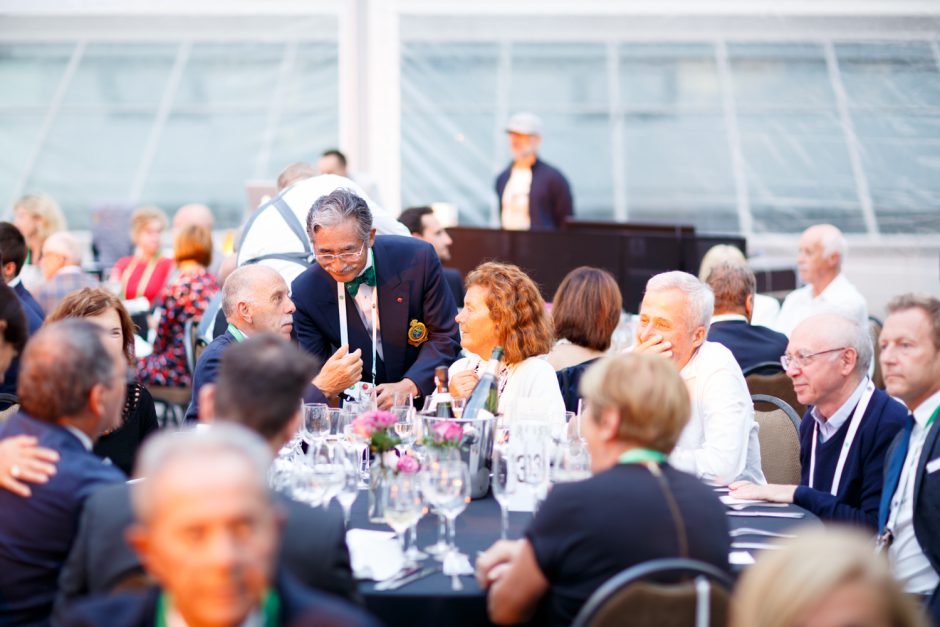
x=316, y=422
x=572, y=461
x=406, y=427
x=405, y=504
x=503, y=484
x=446, y=484
x=328, y=471
x=351, y=460
x=355, y=441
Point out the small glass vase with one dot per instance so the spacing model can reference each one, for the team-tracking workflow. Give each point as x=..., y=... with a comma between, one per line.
x=379, y=477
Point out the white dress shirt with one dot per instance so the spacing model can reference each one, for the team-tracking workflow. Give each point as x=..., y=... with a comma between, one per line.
x=720, y=441
x=269, y=234
x=532, y=381
x=363, y=298
x=911, y=566
x=840, y=297
x=828, y=426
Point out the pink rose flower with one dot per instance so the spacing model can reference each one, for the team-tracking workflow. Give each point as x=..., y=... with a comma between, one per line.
x=408, y=464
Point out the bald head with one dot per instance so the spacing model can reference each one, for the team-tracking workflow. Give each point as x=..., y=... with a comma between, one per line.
x=822, y=250
x=193, y=214
x=295, y=172
x=255, y=298
x=60, y=249
x=837, y=331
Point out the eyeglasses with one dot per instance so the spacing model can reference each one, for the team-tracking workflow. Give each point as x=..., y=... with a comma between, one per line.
x=801, y=360
x=326, y=259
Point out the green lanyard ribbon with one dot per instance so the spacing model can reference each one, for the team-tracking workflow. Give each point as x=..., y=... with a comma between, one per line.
x=270, y=607
x=642, y=456
x=239, y=336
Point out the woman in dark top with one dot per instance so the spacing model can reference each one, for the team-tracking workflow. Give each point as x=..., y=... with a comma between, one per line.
x=587, y=532
x=139, y=418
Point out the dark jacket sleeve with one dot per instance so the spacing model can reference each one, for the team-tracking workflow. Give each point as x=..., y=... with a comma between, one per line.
x=563, y=203
x=439, y=313
x=308, y=334
x=207, y=371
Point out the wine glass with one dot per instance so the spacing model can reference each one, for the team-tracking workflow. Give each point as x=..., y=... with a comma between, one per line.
x=350, y=460
x=328, y=472
x=504, y=486
x=447, y=486
x=316, y=421
x=405, y=426
x=356, y=441
x=404, y=506
x=572, y=461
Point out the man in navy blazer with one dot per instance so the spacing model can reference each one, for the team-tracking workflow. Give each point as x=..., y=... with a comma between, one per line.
x=845, y=433
x=71, y=390
x=909, y=517
x=734, y=286
x=12, y=258
x=413, y=313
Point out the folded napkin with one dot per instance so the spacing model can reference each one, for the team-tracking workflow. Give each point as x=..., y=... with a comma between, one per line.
x=730, y=500
x=457, y=564
x=740, y=558
x=374, y=554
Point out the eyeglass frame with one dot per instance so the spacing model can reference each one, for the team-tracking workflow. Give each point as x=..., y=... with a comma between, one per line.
x=801, y=361
x=326, y=259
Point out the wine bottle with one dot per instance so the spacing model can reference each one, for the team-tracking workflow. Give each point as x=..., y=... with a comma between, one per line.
x=485, y=396
x=445, y=404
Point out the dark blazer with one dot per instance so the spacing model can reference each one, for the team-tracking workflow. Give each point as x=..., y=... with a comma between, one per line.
x=455, y=282
x=36, y=533
x=313, y=549
x=411, y=288
x=34, y=319
x=926, y=505
x=862, y=477
x=750, y=344
x=299, y=607
x=550, y=199
x=207, y=369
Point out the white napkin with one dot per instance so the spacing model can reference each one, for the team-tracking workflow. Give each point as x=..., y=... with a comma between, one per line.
x=730, y=500
x=740, y=558
x=374, y=554
x=457, y=564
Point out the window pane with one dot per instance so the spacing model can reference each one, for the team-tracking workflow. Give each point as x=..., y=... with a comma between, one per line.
x=679, y=168
x=121, y=74
x=30, y=73
x=242, y=74
x=302, y=136
x=889, y=74
x=667, y=76
x=18, y=133
x=462, y=75
x=90, y=158
x=558, y=75
x=206, y=157
x=780, y=75
x=314, y=81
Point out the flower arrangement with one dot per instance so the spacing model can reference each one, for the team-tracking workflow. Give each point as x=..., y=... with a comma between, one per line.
x=377, y=429
x=407, y=464
x=445, y=434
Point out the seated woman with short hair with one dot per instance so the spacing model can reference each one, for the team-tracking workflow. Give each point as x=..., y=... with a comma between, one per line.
x=585, y=312
x=588, y=531
x=503, y=307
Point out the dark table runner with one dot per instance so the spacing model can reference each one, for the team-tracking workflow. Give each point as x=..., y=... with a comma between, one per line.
x=431, y=601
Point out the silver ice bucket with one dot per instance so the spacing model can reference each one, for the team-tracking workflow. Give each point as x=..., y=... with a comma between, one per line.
x=476, y=448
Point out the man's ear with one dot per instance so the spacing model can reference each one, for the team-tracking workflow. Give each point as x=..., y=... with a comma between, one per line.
x=372, y=237
x=207, y=403
x=609, y=427
x=244, y=311
x=8, y=271
x=96, y=400
x=698, y=336
x=749, y=307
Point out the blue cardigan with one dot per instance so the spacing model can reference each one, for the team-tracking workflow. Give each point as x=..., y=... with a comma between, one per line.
x=860, y=488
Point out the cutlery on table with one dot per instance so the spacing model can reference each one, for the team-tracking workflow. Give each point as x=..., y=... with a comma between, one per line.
x=398, y=582
x=765, y=514
x=740, y=506
x=750, y=531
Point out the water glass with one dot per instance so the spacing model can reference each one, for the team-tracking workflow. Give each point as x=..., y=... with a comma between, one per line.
x=316, y=422
x=405, y=427
x=503, y=484
x=572, y=462
x=404, y=506
x=447, y=487
x=350, y=459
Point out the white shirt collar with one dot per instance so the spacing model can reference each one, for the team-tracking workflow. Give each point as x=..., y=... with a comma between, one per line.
x=68, y=270
x=925, y=410
x=81, y=435
x=830, y=290
x=15, y=281
x=691, y=368
x=368, y=264
x=729, y=318
x=175, y=619
x=837, y=419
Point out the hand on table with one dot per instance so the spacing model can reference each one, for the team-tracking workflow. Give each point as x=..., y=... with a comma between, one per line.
x=340, y=371
x=653, y=344
x=494, y=562
x=462, y=383
x=772, y=492
x=21, y=460
x=385, y=393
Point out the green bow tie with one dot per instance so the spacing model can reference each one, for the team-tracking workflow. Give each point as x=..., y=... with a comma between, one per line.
x=367, y=277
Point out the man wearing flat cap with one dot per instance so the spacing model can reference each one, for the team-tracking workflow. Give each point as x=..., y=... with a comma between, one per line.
x=532, y=194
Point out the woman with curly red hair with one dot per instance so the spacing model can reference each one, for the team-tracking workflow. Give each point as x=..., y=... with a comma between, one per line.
x=503, y=307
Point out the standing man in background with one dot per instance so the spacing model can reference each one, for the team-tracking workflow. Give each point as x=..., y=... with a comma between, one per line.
x=532, y=194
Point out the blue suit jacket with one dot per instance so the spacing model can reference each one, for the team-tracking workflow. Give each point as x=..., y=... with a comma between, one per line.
x=207, y=369
x=34, y=319
x=36, y=533
x=550, y=199
x=862, y=477
x=298, y=606
x=411, y=287
x=750, y=344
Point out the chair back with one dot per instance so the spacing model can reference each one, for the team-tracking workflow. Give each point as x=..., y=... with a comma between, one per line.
x=778, y=385
x=874, y=327
x=194, y=345
x=779, y=439
x=569, y=380
x=672, y=592
x=764, y=367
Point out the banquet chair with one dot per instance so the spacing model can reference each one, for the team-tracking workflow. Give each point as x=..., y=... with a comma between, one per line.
x=194, y=345
x=671, y=592
x=171, y=403
x=764, y=367
x=778, y=385
x=779, y=439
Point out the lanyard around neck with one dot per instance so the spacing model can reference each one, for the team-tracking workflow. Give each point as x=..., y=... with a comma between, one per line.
x=144, y=278
x=846, y=445
x=341, y=295
x=238, y=335
x=270, y=608
x=642, y=456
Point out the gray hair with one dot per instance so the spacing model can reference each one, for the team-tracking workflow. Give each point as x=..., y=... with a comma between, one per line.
x=717, y=255
x=848, y=332
x=60, y=366
x=241, y=284
x=335, y=208
x=830, y=239
x=701, y=299
x=162, y=450
x=65, y=244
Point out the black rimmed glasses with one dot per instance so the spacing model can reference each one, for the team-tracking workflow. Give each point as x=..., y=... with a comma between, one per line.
x=802, y=360
x=326, y=259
